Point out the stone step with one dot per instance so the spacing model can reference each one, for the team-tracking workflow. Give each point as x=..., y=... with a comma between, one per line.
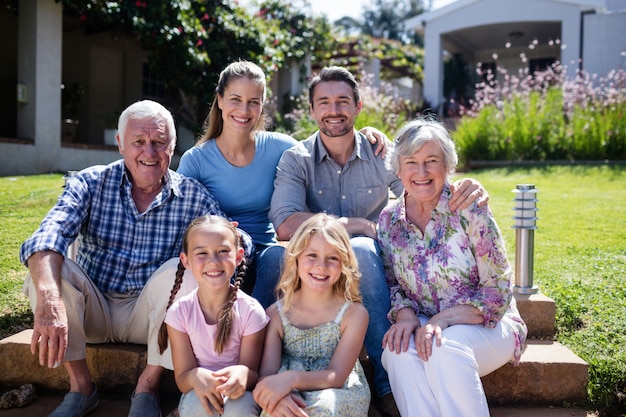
x=548, y=374
x=538, y=311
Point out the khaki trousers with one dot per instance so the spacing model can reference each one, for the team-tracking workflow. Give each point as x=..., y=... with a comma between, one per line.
x=96, y=317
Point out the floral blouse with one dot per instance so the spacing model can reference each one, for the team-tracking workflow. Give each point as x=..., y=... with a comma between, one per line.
x=459, y=259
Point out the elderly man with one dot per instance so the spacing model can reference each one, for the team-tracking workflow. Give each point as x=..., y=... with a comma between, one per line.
x=129, y=217
x=335, y=171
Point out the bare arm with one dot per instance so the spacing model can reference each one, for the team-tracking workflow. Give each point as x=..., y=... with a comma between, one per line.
x=289, y=226
x=50, y=328
x=191, y=377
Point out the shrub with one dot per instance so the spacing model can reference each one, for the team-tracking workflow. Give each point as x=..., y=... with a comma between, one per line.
x=545, y=116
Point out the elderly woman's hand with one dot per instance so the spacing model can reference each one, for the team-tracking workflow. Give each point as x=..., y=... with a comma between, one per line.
x=399, y=334
x=424, y=338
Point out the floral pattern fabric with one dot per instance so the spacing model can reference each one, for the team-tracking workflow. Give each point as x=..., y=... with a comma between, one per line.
x=459, y=259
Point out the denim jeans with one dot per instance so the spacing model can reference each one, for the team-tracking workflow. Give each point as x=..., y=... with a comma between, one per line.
x=190, y=406
x=374, y=291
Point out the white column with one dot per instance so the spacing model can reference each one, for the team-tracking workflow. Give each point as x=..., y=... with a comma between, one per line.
x=40, y=38
x=433, y=69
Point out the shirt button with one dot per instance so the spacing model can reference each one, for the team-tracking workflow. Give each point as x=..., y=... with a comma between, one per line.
x=343, y=197
x=339, y=172
x=369, y=191
x=319, y=192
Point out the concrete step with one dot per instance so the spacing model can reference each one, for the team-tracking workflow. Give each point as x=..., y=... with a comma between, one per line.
x=548, y=373
x=538, y=311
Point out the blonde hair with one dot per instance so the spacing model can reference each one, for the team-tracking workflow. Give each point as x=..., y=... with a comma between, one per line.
x=329, y=228
x=225, y=316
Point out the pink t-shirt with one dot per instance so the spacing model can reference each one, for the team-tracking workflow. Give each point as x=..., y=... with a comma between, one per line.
x=185, y=315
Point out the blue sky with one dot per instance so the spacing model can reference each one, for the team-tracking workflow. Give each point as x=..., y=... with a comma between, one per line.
x=335, y=9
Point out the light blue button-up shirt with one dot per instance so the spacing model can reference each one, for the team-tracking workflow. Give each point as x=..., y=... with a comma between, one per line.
x=309, y=180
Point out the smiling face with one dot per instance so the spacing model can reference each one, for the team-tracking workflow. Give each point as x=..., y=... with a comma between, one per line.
x=319, y=265
x=212, y=255
x=334, y=109
x=423, y=174
x=241, y=105
x=147, y=150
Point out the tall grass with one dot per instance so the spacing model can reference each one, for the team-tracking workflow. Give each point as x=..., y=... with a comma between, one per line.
x=545, y=116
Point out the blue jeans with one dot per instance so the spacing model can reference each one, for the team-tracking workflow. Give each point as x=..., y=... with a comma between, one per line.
x=374, y=291
x=245, y=406
x=269, y=262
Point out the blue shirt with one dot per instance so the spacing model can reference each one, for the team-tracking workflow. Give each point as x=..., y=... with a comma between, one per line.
x=244, y=193
x=120, y=248
x=309, y=180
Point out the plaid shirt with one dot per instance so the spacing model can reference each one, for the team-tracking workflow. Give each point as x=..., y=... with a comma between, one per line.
x=120, y=248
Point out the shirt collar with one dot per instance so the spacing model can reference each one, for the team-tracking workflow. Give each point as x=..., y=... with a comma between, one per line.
x=358, y=152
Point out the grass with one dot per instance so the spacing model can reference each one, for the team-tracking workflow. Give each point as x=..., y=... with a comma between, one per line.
x=579, y=258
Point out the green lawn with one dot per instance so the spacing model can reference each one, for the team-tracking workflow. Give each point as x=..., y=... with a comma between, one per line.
x=579, y=257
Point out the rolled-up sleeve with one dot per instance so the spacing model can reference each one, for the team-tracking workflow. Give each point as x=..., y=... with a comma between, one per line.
x=289, y=196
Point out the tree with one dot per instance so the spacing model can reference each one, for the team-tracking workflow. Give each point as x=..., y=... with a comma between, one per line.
x=385, y=18
x=190, y=42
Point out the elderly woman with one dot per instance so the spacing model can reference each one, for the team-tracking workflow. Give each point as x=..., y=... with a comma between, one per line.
x=453, y=313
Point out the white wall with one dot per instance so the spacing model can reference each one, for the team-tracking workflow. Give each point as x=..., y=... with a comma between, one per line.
x=604, y=43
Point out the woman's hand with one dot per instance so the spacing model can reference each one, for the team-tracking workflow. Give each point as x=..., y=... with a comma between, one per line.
x=465, y=192
x=399, y=334
x=424, y=338
x=376, y=136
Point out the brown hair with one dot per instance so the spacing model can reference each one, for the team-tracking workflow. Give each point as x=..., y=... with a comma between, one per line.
x=225, y=316
x=213, y=123
x=334, y=73
x=335, y=234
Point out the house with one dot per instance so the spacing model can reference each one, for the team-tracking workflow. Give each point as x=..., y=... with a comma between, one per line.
x=514, y=34
x=101, y=72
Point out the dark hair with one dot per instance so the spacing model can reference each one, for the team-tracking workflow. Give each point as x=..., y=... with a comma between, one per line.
x=225, y=316
x=213, y=123
x=334, y=73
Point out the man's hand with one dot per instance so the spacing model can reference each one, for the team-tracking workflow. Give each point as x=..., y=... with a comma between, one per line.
x=376, y=136
x=50, y=330
x=465, y=192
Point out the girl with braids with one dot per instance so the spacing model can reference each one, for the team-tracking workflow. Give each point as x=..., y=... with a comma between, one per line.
x=215, y=331
x=317, y=327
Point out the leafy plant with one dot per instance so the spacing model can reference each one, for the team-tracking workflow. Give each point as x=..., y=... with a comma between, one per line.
x=545, y=116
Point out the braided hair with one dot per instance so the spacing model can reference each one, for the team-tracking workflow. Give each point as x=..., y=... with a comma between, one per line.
x=224, y=318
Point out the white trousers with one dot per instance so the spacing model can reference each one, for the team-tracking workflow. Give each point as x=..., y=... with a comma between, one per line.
x=94, y=317
x=448, y=384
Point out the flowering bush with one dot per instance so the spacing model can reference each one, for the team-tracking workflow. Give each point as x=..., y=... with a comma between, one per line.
x=383, y=108
x=545, y=116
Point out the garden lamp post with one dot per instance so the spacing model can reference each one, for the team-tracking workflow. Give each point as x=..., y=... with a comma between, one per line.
x=525, y=225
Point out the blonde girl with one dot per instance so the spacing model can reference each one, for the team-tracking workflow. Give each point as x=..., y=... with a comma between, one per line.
x=317, y=327
x=216, y=331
